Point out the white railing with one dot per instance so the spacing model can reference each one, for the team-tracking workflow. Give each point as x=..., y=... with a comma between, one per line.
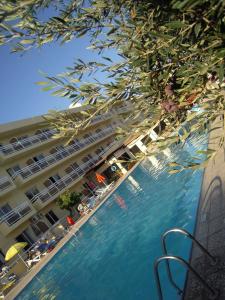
x=61, y=154
x=15, y=214
x=39, y=138
x=101, y=117
x=42, y=137
x=5, y=183
x=66, y=180
x=27, y=142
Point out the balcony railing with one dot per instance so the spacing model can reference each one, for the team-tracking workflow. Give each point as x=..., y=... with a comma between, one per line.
x=100, y=117
x=66, y=180
x=5, y=183
x=61, y=154
x=15, y=214
x=27, y=142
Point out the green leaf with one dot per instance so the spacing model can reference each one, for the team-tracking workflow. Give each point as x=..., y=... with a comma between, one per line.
x=176, y=24
x=24, y=42
x=42, y=82
x=82, y=32
x=197, y=29
x=221, y=72
x=114, y=29
x=48, y=88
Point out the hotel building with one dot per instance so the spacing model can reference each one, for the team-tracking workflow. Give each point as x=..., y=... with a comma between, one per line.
x=36, y=167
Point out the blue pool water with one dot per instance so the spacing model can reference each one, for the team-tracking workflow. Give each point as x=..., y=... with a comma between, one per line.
x=112, y=257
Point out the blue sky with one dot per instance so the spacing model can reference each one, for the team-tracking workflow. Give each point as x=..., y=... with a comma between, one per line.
x=20, y=97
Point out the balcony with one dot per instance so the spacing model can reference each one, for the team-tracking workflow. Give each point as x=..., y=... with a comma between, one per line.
x=11, y=149
x=15, y=217
x=55, y=158
x=26, y=143
x=48, y=194
x=6, y=185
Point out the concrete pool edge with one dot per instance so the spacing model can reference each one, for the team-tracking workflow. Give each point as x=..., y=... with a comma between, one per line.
x=45, y=260
x=210, y=224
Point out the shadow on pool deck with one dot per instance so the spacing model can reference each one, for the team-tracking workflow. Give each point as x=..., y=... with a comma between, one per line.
x=210, y=228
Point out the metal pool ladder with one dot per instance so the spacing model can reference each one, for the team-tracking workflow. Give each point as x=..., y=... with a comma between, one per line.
x=213, y=292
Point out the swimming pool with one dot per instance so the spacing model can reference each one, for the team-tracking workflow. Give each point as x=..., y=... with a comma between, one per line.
x=112, y=257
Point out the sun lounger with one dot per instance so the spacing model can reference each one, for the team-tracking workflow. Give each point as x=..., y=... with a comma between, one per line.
x=34, y=260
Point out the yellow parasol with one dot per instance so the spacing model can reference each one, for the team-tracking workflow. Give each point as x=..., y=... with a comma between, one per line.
x=14, y=250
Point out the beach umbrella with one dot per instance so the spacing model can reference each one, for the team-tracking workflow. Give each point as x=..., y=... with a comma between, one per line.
x=14, y=250
x=100, y=178
x=70, y=220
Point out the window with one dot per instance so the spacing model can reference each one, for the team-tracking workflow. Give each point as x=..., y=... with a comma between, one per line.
x=45, y=130
x=87, y=187
x=2, y=258
x=69, y=170
x=75, y=165
x=21, y=138
x=39, y=131
x=51, y=217
x=53, y=150
x=4, y=210
x=54, y=178
x=85, y=159
x=98, y=151
x=38, y=157
x=31, y=193
x=10, y=216
x=25, y=237
x=13, y=170
x=39, y=228
x=36, y=230
x=60, y=147
x=17, y=143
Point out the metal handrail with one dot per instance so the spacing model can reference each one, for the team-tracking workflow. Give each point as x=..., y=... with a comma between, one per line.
x=187, y=234
x=214, y=292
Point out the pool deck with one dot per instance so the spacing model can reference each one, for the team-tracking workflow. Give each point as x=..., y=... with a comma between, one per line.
x=210, y=225
x=35, y=269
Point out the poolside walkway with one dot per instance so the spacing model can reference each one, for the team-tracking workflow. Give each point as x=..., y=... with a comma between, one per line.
x=35, y=269
x=210, y=226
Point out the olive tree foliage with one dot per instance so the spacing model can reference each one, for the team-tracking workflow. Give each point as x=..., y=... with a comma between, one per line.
x=69, y=200
x=171, y=58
